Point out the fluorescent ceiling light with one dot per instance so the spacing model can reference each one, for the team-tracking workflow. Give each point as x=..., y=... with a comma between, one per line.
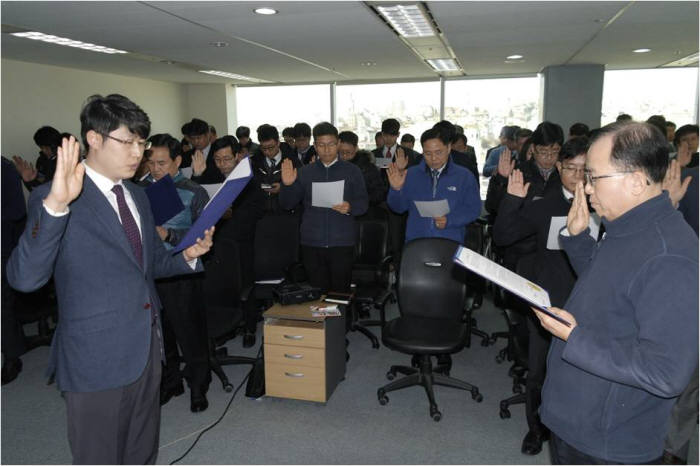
x=514, y=57
x=407, y=20
x=641, y=50
x=443, y=64
x=685, y=61
x=67, y=42
x=265, y=11
x=224, y=74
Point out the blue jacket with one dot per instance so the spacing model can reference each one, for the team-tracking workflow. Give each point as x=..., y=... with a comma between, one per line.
x=324, y=227
x=610, y=388
x=456, y=184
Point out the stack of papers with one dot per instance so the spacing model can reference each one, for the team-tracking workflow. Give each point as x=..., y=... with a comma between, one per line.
x=327, y=194
x=325, y=311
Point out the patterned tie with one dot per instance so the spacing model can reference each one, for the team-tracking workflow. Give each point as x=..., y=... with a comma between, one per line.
x=129, y=224
x=435, y=174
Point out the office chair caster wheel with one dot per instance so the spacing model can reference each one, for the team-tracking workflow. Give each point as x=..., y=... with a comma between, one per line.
x=383, y=399
x=504, y=413
x=478, y=397
x=435, y=414
x=517, y=389
x=390, y=375
x=228, y=388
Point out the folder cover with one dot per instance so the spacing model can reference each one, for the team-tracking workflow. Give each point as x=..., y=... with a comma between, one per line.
x=165, y=202
x=217, y=205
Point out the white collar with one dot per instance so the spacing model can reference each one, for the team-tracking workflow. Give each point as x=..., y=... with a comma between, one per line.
x=567, y=194
x=329, y=165
x=103, y=183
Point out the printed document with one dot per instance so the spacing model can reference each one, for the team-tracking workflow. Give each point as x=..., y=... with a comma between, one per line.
x=327, y=194
x=433, y=209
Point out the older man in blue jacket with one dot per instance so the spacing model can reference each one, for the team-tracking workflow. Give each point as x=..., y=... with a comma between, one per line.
x=435, y=178
x=614, y=374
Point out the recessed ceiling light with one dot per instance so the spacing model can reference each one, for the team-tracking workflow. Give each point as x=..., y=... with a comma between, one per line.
x=34, y=35
x=369, y=63
x=225, y=74
x=218, y=44
x=443, y=64
x=407, y=20
x=265, y=11
x=641, y=50
x=514, y=57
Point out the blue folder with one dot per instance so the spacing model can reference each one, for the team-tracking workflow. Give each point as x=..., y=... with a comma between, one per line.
x=165, y=202
x=218, y=204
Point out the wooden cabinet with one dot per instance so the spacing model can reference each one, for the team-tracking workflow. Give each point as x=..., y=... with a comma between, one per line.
x=304, y=355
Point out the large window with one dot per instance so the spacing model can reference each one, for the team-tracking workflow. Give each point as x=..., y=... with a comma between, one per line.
x=483, y=106
x=282, y=106
x=361, y=108
x=671, y=92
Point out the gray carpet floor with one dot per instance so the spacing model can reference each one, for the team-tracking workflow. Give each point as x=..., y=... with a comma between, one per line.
x=351, y=428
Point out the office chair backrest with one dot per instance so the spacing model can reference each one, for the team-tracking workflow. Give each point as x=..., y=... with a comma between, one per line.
x=222, y=288
x=373, y=241
x=430, y=284
x=276, y=245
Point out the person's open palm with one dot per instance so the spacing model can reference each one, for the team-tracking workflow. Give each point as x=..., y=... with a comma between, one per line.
x=289, y=173
x=505, y=163
x=25, y=169
x=397, y=176
x=516, y=184
x=199, y=164
x=401, y=158
x=577, y=220
x=68, y=178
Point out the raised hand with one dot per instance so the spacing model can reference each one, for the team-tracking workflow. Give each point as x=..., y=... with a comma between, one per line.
x=401, y=158
x=199, y=163
x=202, y=246
x=396, y=175
x=516, y=185
x=68, y=178
x=289, y=173
x=577, y=220
x=672, y=182
x=505, y=163
x=440, y=222
x=684, y=154
x=343, y=208
x=25, y=169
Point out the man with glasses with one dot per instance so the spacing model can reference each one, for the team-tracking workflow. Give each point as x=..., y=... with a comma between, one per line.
x=614, y=373
x=94, y=232
x=267, y=166
x=348, y=151
x=519, y=218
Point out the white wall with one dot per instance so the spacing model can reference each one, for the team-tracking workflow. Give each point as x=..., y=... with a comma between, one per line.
x=209, y=102
x=35, y=95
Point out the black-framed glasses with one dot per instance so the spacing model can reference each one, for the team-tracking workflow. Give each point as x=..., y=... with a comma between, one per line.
x=143, y=145
x=592, y=179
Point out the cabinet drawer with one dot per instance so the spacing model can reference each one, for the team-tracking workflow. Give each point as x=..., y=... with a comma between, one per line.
x=295, y=333
x=298, y=382
x=295, y=355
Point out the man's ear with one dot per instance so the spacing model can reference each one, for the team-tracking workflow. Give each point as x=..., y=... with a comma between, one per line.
x=94, y=139
x=638, y=182
x=178, y=161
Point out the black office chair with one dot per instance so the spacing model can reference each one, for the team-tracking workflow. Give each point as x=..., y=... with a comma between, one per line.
x=475, y=239
x=432, y=295
x=371, y=275
x=41, y=307
x=224, y=307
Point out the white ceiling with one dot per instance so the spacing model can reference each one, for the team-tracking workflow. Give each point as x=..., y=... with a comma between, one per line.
x=330, y=41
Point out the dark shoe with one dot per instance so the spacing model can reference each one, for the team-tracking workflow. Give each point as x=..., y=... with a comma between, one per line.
x=248, y=340
x=198, y=401
x=670, y=458
x=11, y=369
x=166, y=394
x=532, y=443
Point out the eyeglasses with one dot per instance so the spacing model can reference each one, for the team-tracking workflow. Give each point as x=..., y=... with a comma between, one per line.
x=573, y=169
x=330, y=145
x=224, y=159
x=143, y=145
x=547, y=153
x=592, y=179
x=269, y=148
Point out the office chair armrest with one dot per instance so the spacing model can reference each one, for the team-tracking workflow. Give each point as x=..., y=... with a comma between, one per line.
x=247, y=292
x=381, y=305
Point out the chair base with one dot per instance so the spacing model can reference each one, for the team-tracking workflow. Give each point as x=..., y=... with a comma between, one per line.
x=504, y=412
x=426, y=377
x=219, y=357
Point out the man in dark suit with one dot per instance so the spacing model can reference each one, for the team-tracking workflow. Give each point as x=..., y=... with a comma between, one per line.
x=198, y=134
x=97, y=236
x=302, y=143
x=48, y=139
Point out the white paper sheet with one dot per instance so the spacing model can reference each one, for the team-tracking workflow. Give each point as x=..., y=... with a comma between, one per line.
x=327, y=194
x=270, y=282
x=186, y=172
x=433, y=209
x=211, y=188
x=382, y=162
x=557, y=223
x=242, y=170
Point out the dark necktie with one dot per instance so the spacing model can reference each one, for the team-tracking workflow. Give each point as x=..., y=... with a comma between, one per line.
x=129, y=224
x=271, y=163
x=435, y=174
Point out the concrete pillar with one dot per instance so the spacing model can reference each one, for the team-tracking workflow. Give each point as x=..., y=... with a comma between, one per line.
x=573, y=93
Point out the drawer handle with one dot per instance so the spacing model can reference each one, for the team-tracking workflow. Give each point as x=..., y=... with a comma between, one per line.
x=294, y=374
x=294, y=337
x=293, y=356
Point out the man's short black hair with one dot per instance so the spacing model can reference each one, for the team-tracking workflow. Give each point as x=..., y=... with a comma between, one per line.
x=302, y=130
x=325, y=129
x=573, y=148
x=225, y=141
x=212, y=129
x=461, y=137
x=683, y=131
x=288, y=131
x=242, y=132
x=391, y=126
x=267, y=132
x=448, y=128
x=579, y=129
x=195, y=127
x=523, y=133
x=670, y=124
x=435, y=133
x=105, y=114
x=548, y=133
x=377, y=134
x=348, y=137
x=623, y=117
x=408, y=137
x=165, y=140
x=637, y=146
x=48, y=136
x=659, y=122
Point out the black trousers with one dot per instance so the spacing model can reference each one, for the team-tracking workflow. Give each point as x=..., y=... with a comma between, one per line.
x=184, y=325
x=563, y=453
x=397, y=235
x=119, y=425
x=13, y=345
x=329, y=269
x=538, y=346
